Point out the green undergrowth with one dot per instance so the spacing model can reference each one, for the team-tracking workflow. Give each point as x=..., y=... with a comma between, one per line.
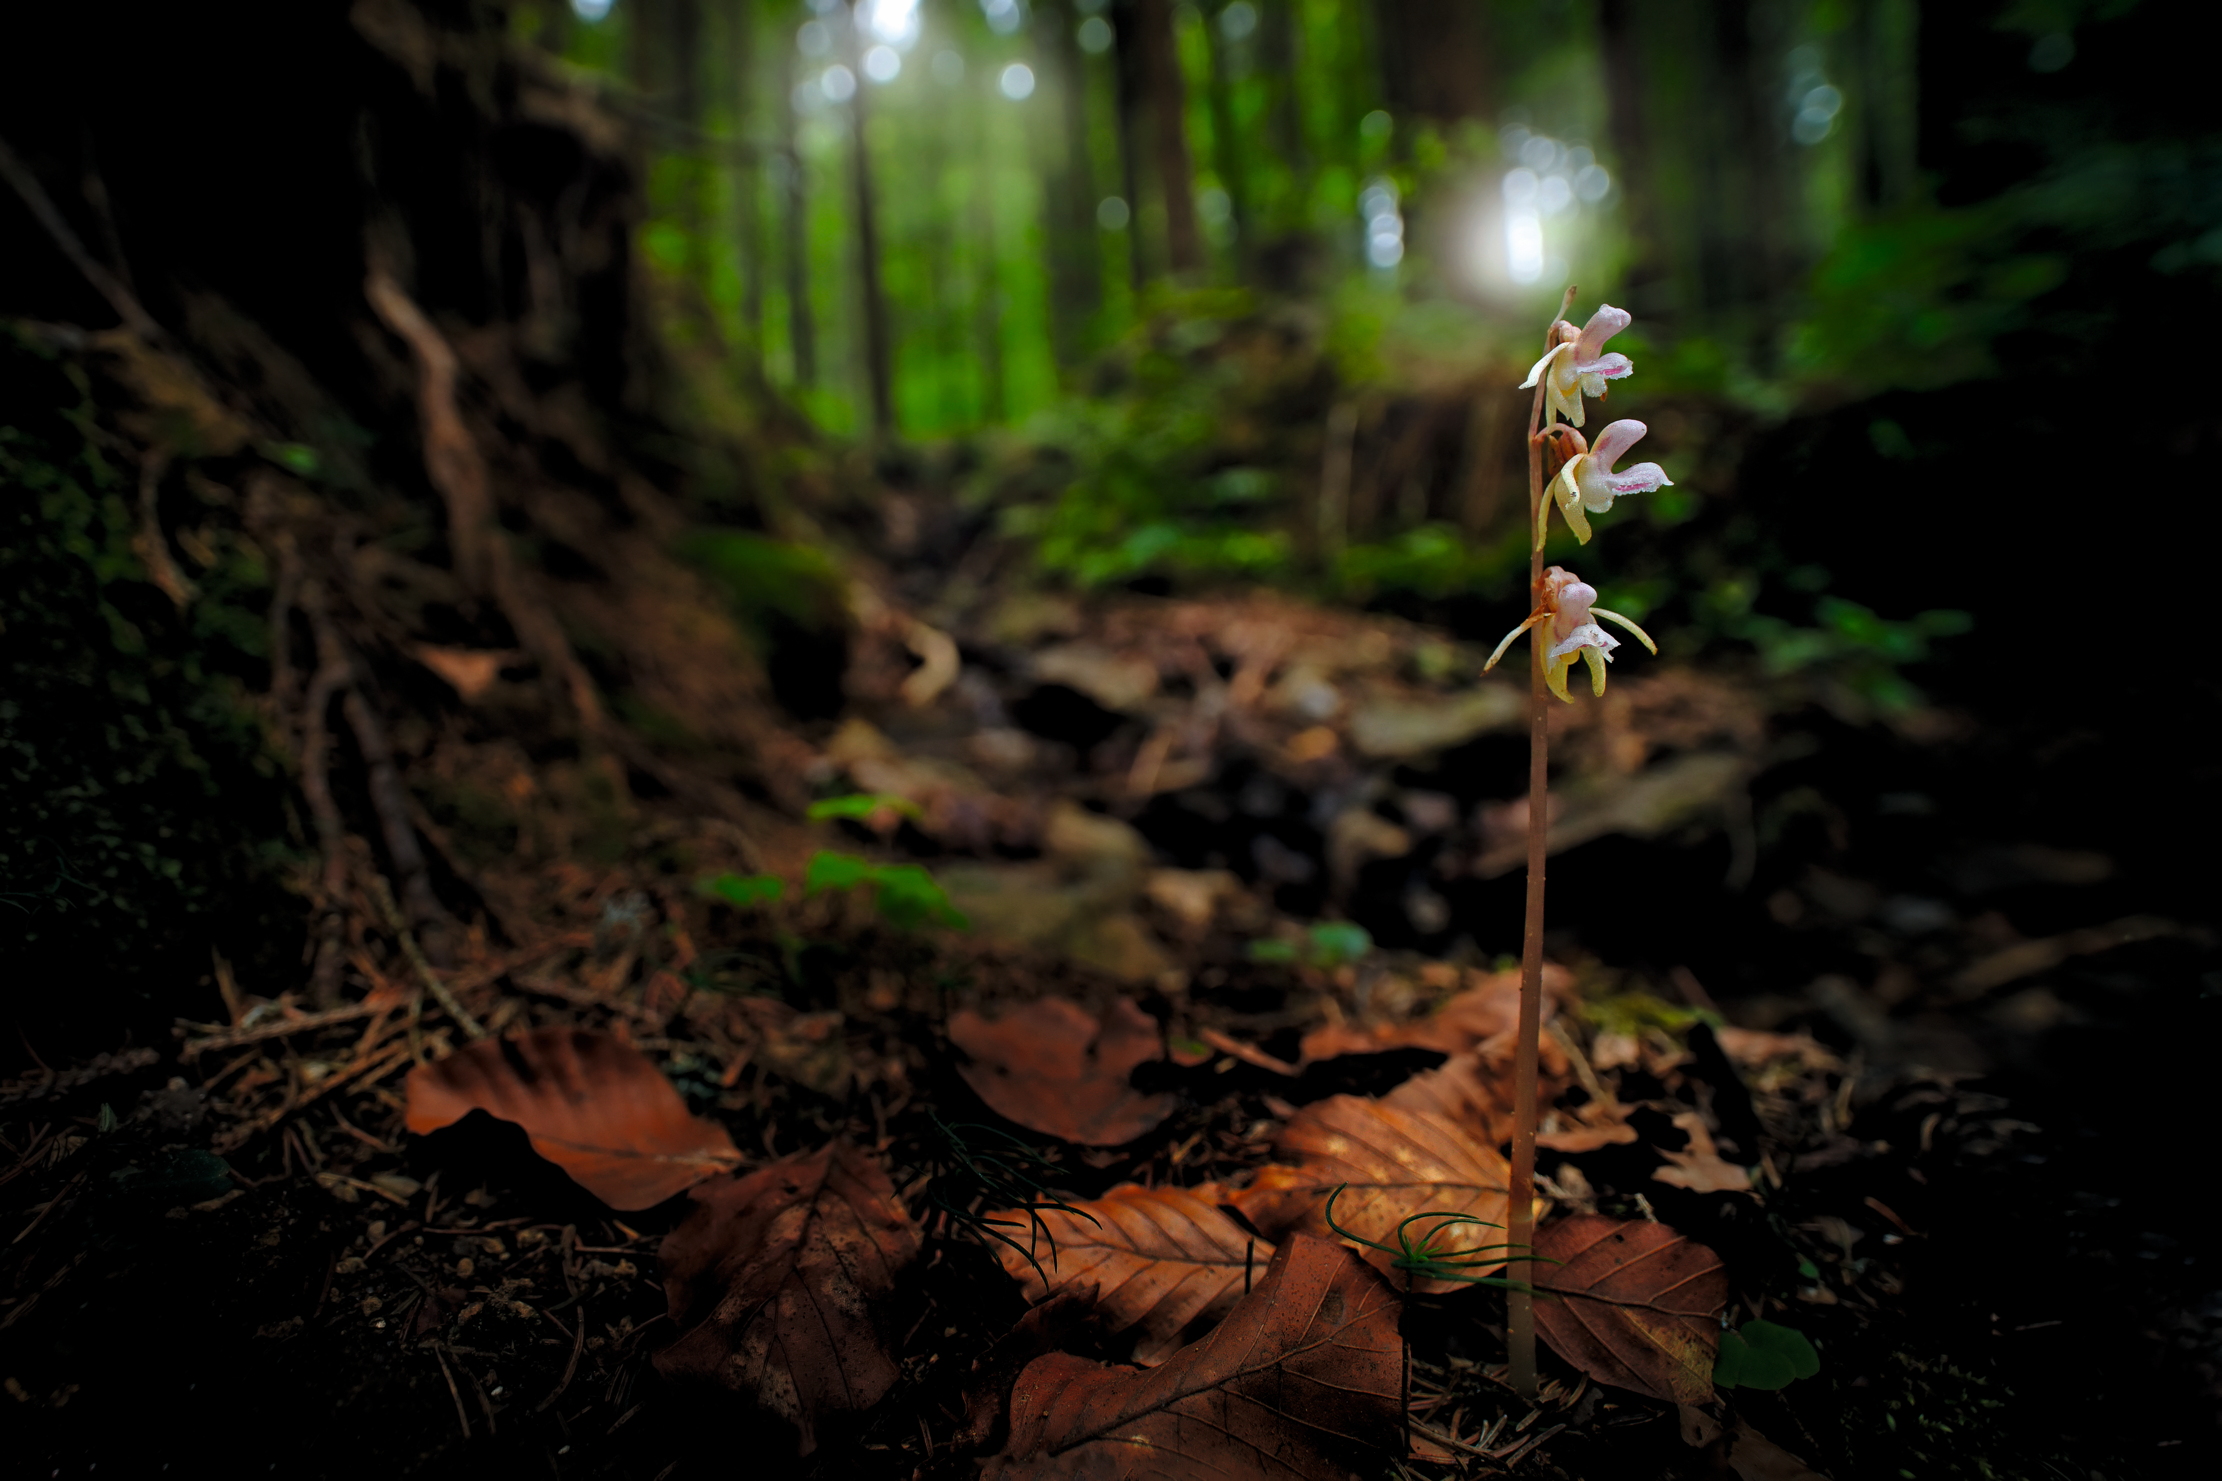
x=142, y=819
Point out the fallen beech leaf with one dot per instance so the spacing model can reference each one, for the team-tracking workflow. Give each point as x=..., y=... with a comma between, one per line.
x=1159, y=1259
x=1427, y=1146
x=1045, y=1329
x=1053, y=1069
x=469, y=672
x=1482, y=1017
x=1699, y=1167
x=774, y=1283
x=1302, y=1381
x=1754, y=1457
x=1635, y=1305
x=598, y=1109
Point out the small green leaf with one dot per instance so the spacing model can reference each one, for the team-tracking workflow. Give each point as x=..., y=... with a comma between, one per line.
x=743, y=890
x=1764, y=1355
x=1336, y=942
x=294, y=457
x=107, y=1117
x=862, y=805
x=834, y=871
x=1272, y=951
x=909, y=898
x=1809, y=1270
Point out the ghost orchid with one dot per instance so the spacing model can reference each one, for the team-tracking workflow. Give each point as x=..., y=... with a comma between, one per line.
x=1578, y=366
x=1589, y=481
x=1567, y=611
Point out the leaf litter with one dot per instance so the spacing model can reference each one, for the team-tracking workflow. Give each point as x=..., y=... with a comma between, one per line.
x=596, y=1108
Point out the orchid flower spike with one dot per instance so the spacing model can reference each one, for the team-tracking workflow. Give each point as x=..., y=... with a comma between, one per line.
x=1567, y=613
x=1589, y=482
x=1578, y=366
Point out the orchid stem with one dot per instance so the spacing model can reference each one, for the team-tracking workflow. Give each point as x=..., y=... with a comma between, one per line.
x=1520, y=1196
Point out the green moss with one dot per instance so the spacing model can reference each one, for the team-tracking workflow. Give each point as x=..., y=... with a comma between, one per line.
x=142, y=820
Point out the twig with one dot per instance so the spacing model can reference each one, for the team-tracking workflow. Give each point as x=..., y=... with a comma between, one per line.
x=431, y=979
x=462, y=1417
x=104, y=282
x=304, y=1023
x=390, y=800
x=239, y=1135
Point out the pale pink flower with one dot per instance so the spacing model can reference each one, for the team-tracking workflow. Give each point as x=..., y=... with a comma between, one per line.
x=1590, y=483
x=1567, y=611
x=1578, y=366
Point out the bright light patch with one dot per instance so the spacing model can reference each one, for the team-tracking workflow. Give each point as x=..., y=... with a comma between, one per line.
x=893, y=21
x=1238, y=20
x=1003, y=15
x=1112, y=214
x=838, y=83
x=1018, y=81
x=813, y=40
x=1095, y=35
x=590, y=10
x=1523, y=225
x=948, y=68
x=882, y=64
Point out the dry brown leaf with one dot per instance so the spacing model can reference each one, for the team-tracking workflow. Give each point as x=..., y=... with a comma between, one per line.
x=470, y=672
x=1053, y=1069
x=1303, y=1381
x=1158, y=1258
x=1754, y=1457
x=598, y=1109
x=1428, y=1146
x=1700, y=1167
x=1485, y=1013
x=776, y=1282
x=1635, y=1305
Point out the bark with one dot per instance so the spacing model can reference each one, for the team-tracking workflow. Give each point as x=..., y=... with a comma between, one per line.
x=1075, y=260
x=879, y=349
x=1436, y=60
x=802, y=330
x=1167, y=93
x=748, y=225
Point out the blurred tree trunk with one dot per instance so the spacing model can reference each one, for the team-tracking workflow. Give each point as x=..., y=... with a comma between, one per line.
x=748, y=228
x=1698, y=117
x=1887, y=101
x=1069, y=197
x=1281, y=240
x=879, y=347
x=1133, y=121
x=1154, y=131
x=1226, y=138
x=1168, y=106
x=1436, y=60
x=802, y=333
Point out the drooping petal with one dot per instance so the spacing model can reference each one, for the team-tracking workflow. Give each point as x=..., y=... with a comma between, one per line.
x=1604, y=368
x=1641, y=636
x=1554, y=676
x=1596, y=659
x=1566, y=492
x=1603, y=325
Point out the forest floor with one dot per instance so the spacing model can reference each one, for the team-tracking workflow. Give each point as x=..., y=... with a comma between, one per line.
x=1898, y=1122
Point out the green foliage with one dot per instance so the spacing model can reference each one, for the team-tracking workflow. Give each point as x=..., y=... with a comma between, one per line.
x=1422, y=1256
x=1847, y=643
x=141, y=817
x=1434, y=561
x=1763, y=1355
x=862, y=806
x=766, y=579
x=1635, y=1012
x=907, y=896
x=743, y=890
x=1328, y=943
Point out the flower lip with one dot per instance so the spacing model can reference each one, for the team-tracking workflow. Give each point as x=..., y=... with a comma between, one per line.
x=1588, y=635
